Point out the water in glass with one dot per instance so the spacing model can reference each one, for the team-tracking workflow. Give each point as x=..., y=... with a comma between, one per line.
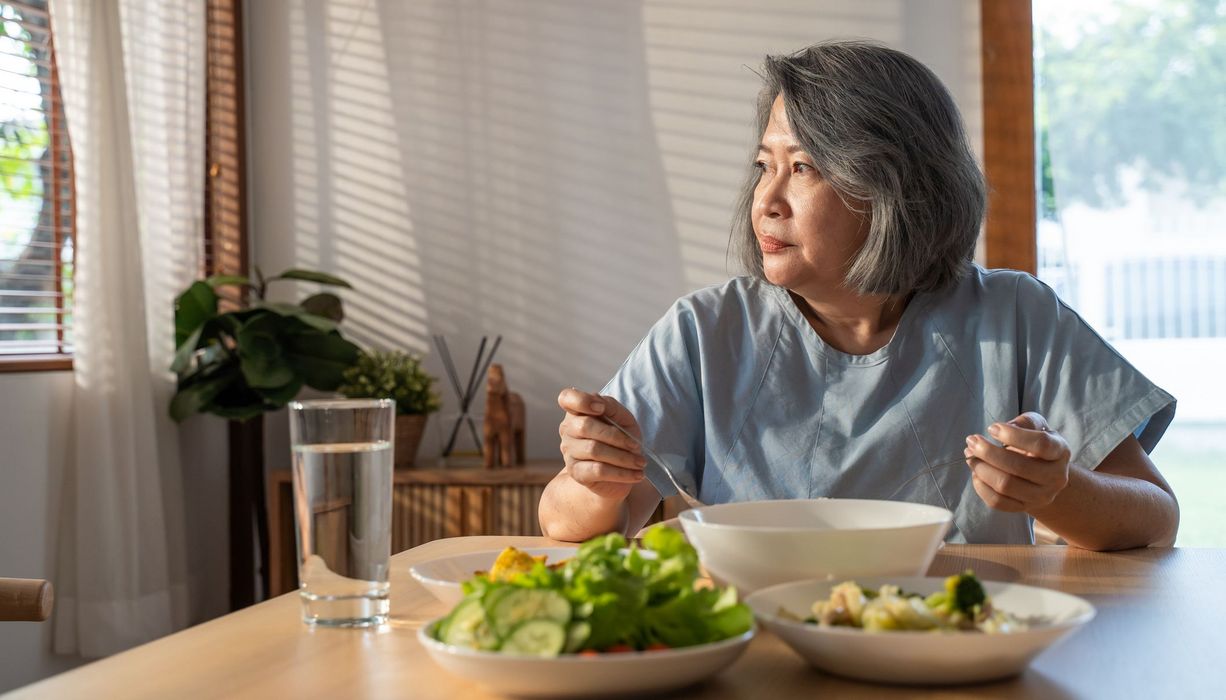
x=344, y=531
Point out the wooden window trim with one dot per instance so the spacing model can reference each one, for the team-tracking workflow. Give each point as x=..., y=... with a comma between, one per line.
x=226, y=246
x=1007, y=48
x=35, y=363
x=227, y=252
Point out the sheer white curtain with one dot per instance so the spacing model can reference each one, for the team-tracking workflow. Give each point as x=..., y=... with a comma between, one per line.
x=132, y=76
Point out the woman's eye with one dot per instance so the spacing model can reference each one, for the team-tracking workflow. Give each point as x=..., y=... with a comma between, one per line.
x=760, y=165
x=803, y=168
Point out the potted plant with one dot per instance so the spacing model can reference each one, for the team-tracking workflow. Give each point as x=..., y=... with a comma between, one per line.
x=241, y=363
x=244, y=361
x=395, y=375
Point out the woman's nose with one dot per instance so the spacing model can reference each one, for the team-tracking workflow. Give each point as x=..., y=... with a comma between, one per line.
x=771, y=201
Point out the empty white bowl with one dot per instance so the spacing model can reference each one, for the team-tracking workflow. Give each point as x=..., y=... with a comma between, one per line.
x=756, y=544
x=921, y=657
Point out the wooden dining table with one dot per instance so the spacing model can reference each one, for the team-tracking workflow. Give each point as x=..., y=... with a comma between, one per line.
x=1160, y=631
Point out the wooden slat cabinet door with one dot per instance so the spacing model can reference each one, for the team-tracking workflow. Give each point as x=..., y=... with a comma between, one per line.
x=477, y=502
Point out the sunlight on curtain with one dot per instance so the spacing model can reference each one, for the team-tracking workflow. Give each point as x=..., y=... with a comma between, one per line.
x=132, y=73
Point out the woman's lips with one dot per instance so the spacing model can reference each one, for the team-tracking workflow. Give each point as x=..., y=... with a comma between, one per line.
x=771, y=245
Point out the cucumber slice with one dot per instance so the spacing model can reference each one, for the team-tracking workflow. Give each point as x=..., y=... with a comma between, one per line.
x=461, y=609
x=576, y=634
x=466, y=626
x=523, y=604
x=535, y=638
x=493, y=595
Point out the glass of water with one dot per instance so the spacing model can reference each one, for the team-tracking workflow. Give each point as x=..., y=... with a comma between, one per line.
x=342, y=477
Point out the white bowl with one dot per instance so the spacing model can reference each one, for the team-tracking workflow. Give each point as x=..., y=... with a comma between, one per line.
x=579, y=676
x=761, y=543
x=443, y=576
x=921, y=657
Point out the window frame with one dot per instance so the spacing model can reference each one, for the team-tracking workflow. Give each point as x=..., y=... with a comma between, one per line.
x=225, y=244
x=1007, y=59
x=61, y=166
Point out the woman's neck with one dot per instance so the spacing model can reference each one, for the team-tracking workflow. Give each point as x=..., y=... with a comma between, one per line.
x=857, y=324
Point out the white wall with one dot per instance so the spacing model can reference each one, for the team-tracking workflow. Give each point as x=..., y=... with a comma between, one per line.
x=555, y=172
x=33, y=414
x=35, y=409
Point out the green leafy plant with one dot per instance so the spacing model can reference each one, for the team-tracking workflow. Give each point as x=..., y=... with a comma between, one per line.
x=392, y=375
x=240, y=363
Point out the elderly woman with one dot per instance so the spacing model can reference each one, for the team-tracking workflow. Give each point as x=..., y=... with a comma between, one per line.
x=866, y=348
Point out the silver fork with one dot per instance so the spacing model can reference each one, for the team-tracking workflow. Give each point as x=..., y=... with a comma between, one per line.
x=660, y=465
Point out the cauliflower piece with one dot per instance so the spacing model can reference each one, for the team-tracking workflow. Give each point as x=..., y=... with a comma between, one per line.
x=844, y=607
x=891, y=611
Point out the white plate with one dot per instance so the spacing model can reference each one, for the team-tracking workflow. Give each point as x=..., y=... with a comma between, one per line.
x=443, y=577
x=921, y=657
x=584, y=676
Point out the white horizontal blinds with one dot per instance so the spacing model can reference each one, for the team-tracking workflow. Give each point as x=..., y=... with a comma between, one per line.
x=36, y=189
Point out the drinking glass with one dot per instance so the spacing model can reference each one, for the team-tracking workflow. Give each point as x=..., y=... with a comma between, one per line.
x=342, y=475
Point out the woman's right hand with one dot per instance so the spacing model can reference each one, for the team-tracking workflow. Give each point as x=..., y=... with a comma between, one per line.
x=598, y=456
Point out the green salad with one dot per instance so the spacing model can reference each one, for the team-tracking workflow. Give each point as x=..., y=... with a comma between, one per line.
x=609, y=597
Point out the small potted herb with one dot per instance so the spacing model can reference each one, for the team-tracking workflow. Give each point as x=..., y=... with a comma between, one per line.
x=395, y=375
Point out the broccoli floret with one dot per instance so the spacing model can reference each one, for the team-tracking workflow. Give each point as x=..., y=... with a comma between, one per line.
x=963, y=594
x=966, y=591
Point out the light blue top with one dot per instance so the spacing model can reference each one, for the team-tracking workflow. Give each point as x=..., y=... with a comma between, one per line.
x=735, y=389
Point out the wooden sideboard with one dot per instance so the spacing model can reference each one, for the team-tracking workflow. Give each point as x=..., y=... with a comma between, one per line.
x=429, y=504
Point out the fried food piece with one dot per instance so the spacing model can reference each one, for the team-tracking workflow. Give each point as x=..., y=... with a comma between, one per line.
x=512, y=562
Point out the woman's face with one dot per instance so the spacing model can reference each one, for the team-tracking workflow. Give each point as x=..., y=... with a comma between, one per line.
x=807, y=235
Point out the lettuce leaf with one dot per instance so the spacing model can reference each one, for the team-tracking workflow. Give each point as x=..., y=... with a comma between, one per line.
x=632, y=598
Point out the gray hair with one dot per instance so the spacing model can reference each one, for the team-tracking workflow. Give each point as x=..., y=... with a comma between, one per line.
x=882, y=130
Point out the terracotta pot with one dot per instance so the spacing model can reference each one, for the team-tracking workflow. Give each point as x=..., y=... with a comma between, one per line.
x=409, y=430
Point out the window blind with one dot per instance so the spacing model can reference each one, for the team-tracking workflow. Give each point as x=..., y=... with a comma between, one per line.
x=225, y=243
x=36, y=191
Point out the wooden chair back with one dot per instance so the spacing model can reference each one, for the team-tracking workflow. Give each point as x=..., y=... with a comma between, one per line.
x=25, y=599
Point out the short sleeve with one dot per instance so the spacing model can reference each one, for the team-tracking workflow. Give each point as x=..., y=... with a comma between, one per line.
x=1084, y=388
x=659, y=385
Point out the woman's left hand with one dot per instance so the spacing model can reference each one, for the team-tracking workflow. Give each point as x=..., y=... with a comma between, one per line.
x=1024, y=475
